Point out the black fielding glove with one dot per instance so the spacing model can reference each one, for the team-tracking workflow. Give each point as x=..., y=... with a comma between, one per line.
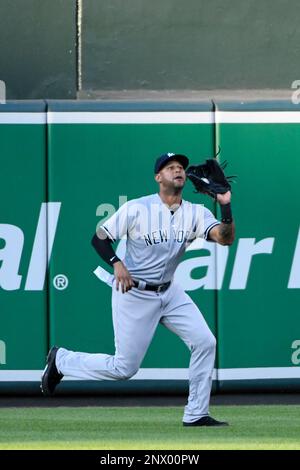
x=209, y=178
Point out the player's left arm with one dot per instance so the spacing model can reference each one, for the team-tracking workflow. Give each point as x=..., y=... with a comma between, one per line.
x=224, y=233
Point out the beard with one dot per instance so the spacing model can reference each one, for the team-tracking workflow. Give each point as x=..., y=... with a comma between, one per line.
x=174, y=187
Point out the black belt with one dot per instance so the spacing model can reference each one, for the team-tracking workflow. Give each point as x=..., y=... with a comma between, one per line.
x=154, y=288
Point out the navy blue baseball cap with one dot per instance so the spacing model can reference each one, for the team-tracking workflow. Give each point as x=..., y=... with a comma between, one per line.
x=167, y=157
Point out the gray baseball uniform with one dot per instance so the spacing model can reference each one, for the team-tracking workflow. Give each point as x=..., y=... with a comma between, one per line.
x=156, y=240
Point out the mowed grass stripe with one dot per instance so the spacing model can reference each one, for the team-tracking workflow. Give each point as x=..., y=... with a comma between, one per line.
x=251, y=427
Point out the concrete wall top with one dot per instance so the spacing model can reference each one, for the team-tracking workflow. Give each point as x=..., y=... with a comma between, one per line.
x=35, y=106
x=262, y=105
x=96, y=106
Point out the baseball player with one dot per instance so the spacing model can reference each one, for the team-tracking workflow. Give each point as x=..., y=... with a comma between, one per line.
x=157, y=228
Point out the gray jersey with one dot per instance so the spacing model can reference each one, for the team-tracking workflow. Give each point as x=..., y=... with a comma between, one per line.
x=155, y=238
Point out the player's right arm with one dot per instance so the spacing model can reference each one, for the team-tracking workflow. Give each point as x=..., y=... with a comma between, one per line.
x=103, y=245
x=122, y=277
x=115, y=228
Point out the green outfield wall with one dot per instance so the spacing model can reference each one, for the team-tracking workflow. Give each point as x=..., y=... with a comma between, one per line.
x=23, y=247
x=258, y=305
x=68, y=165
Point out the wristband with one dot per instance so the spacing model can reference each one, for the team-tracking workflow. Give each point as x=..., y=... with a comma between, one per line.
x=226, y=213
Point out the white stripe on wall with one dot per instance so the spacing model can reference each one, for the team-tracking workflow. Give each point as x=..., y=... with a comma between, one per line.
x=155, y=117
x=161, y=374
x=173, y=374
x=257, y=373
x=252, y=117
x=150, y=117
x=23, y=118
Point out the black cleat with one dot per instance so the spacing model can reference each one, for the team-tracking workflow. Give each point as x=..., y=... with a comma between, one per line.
x=206, y=421
x=51, y=377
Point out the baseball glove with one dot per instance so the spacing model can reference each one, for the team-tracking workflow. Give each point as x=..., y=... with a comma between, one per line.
x=209, y=178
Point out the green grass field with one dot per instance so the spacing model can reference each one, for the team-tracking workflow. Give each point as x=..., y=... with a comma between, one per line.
x=251, y=427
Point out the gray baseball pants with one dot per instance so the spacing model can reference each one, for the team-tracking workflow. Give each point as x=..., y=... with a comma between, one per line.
x=136, y=315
